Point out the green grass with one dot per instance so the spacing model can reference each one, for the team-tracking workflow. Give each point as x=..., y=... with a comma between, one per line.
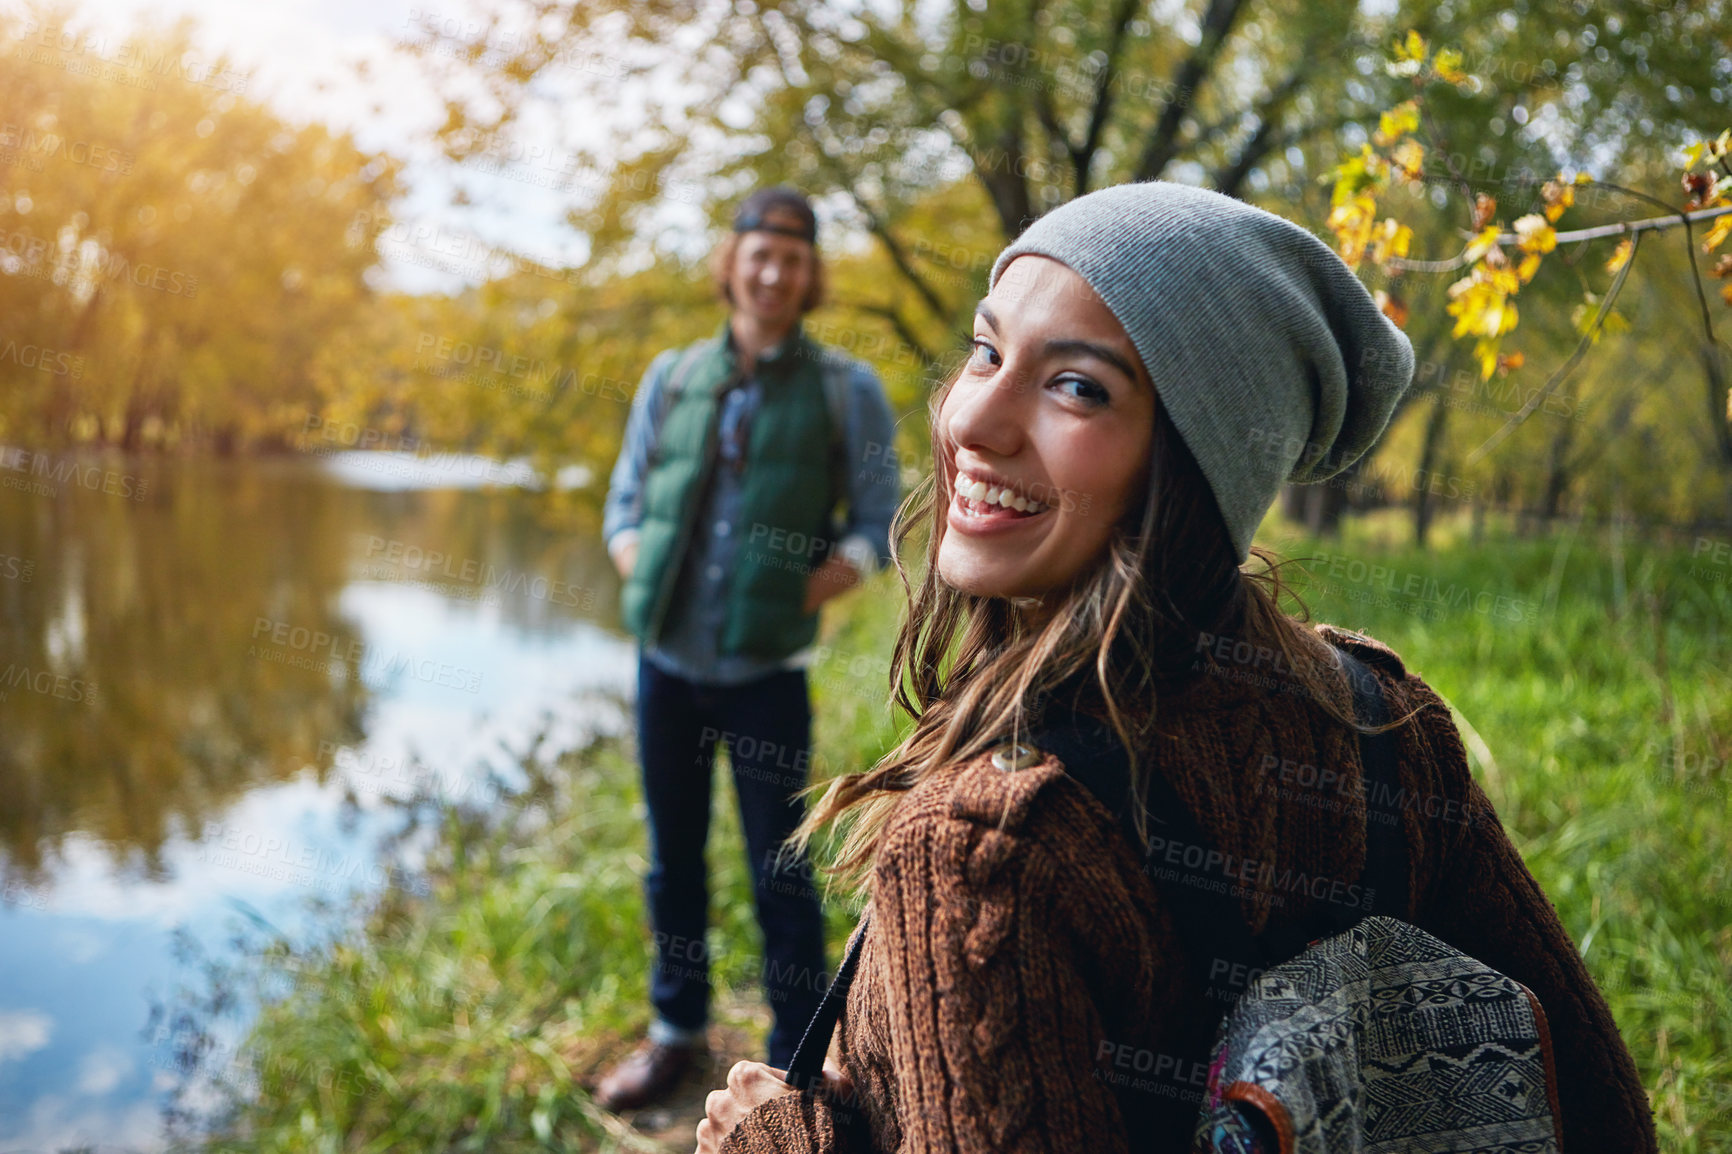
x=456, y=1020
x=1598, y=709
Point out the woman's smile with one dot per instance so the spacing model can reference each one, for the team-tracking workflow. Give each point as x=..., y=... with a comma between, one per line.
x=988, y=504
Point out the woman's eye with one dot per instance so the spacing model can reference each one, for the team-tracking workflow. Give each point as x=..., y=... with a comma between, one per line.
x=982, y=354
x=1083, y=389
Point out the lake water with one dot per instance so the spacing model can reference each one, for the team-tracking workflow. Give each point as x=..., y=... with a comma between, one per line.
x=213, y=676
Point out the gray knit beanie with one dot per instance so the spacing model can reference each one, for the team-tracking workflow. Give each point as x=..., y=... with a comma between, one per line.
x=1272, y=359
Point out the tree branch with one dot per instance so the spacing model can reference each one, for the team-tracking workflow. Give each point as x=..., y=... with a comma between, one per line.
x=1228, y=179
x=1689, y=248
x=1083, y=159
x=1598, y=232
x=899, y=323
x=1004, y=184
x=1564, y=370
x=881, y=229
x=1163, y=142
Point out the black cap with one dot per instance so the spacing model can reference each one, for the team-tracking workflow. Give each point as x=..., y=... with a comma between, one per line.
x=780, y=199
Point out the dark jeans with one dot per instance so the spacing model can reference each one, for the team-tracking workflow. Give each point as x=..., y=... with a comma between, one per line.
x=767, y=727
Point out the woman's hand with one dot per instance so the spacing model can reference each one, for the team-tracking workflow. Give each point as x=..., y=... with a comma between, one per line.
x=750, y=1085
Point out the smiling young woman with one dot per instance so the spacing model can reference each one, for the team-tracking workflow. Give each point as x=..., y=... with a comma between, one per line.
x=1152, y=362
x=1051, y=403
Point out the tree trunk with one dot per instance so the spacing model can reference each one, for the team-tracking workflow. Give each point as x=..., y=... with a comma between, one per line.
x=1428, y=454
x=1558, y=472
x=1005, y=182
x=1326, y=502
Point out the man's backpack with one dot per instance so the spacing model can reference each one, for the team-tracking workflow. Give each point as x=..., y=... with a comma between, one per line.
x=1362, y=1034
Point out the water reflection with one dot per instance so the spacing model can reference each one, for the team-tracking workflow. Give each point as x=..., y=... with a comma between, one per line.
x=193, y=680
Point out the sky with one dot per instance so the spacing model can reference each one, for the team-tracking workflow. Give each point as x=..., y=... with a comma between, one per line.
x=303, y=53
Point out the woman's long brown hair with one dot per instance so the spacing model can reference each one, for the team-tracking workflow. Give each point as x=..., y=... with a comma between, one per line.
x=971, y=671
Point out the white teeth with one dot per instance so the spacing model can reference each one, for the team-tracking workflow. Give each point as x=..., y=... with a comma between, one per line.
x=973, y=490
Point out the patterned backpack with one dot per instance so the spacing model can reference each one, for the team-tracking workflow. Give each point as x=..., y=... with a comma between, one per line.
x=1381, y=1038
x=1365, y=1035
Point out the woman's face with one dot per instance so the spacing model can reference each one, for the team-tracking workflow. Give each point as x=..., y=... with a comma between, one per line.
x=1055, y=407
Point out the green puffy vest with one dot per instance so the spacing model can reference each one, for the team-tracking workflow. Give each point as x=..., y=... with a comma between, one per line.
x=789, y=493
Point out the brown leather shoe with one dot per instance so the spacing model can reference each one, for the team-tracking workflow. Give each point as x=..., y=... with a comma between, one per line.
x=646, y=1075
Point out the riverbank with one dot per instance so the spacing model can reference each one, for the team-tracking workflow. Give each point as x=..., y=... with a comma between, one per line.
x=1594, y=687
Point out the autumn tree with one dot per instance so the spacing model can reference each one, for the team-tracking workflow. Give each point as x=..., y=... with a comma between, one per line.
x=174, y=253
x=938, y=133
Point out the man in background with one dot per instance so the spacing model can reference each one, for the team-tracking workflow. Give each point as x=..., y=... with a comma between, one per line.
x=755, y=482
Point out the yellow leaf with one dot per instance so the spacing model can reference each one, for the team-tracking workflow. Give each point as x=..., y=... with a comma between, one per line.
x=1397, y=122
x=1535, y=233
x=1483, y=243
x=1480, y=307
x=1466, y=316
x=1398, y=244
x=1530, y=264
x=1726, y=291
x=1558, y=195
x=1621, y=254
x=1448, y=65
x=1352, y=223
x=1391, y=238
x=1721, y=230
x=1693, y=154
x=1356, y=174
x=1504, y=280
x=1409, y=158
x=1507, y=319
x=1486, y=351
x=1412, y=47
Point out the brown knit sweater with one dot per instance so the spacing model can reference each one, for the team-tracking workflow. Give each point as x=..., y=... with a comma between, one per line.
x=1021, y=987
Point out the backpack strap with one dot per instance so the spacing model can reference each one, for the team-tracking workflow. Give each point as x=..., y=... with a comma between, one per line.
x=1386, y=866
x=806, y=1068
x=1384, y=875
x=837, y=375
x=1181, y=860
x=838, y=383
x=679, y=376
x=682, y=370
x=1193, y=876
